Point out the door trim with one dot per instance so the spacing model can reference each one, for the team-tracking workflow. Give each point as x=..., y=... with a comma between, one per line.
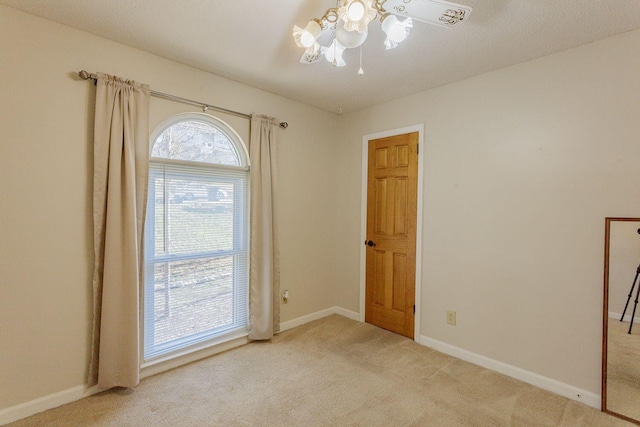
x=363, y=217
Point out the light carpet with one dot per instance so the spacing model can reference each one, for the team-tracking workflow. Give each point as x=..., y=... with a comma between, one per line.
x=623, y=369
x=331, y=372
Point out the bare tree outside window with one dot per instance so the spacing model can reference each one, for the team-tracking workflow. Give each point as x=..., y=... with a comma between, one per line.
x=197, y=142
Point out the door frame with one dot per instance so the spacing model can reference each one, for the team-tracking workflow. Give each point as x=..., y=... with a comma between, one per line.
x=363, y=217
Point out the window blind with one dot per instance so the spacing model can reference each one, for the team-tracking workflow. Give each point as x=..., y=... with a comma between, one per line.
x=196, y=255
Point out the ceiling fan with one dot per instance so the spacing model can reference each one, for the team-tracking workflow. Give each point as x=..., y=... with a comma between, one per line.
x=346, y=25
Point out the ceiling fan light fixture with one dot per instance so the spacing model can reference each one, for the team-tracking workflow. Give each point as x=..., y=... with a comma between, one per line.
x=346, y=25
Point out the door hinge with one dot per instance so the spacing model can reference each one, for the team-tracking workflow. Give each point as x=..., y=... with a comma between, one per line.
x=414, y=309
x=417, y=148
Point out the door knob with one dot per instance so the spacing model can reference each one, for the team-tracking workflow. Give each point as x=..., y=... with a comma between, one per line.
x=370, y=243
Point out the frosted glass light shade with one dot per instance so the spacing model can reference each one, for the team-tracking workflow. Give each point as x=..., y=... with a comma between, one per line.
x=395, y=30
x=355, y=10
x=356, y=14
x=333, y=53
x=307, y=36
x=350, y=39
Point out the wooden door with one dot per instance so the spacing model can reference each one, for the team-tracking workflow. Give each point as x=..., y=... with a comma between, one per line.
x=392, y=193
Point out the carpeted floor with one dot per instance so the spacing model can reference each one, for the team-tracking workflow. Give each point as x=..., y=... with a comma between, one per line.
x=623, y=369
x=331, y=372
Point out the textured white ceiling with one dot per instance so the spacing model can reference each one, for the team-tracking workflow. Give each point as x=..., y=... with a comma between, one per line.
x=250, y=41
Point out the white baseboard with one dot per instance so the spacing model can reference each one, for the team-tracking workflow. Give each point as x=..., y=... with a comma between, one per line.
x=290, y=324
x=549, y=384
x=63, y=397
x=627, y=317
x=348, y=313
x=23, y=410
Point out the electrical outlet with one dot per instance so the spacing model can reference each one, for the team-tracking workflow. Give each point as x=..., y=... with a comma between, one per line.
x=451, y=317
x=285, y=296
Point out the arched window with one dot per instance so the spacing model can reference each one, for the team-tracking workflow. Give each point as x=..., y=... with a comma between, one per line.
x=196, y=235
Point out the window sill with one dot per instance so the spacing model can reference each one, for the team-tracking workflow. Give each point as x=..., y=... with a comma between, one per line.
x=192, y=354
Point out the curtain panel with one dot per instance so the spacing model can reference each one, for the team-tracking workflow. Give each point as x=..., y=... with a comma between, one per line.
x=264, y=276
x=121, y=164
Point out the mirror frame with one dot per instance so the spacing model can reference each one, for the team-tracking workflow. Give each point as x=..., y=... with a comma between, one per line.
x=605, y=316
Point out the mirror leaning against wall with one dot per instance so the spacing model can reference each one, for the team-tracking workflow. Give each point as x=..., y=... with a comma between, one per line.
x=621, y=331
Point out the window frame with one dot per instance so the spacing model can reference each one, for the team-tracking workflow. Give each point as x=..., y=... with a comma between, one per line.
x=243, y=158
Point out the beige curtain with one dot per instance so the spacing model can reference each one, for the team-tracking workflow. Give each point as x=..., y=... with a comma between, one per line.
x=121, y=163
x=264, y=279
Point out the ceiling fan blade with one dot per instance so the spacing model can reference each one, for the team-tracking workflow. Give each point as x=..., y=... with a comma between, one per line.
x=439, y=12
x=310, y=58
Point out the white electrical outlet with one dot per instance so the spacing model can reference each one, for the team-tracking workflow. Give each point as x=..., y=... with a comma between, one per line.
x=451, y=317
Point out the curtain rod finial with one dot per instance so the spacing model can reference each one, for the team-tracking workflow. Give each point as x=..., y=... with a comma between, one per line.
x=84, y=75
x=284, y=125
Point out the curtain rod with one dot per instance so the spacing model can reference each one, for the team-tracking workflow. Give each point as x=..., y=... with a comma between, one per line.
x=84, y=75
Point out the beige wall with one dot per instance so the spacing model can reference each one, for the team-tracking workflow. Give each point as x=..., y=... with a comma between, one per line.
x=522, y=166
x=45, y=184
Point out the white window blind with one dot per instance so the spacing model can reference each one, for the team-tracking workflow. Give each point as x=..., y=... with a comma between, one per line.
x=196, y=241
